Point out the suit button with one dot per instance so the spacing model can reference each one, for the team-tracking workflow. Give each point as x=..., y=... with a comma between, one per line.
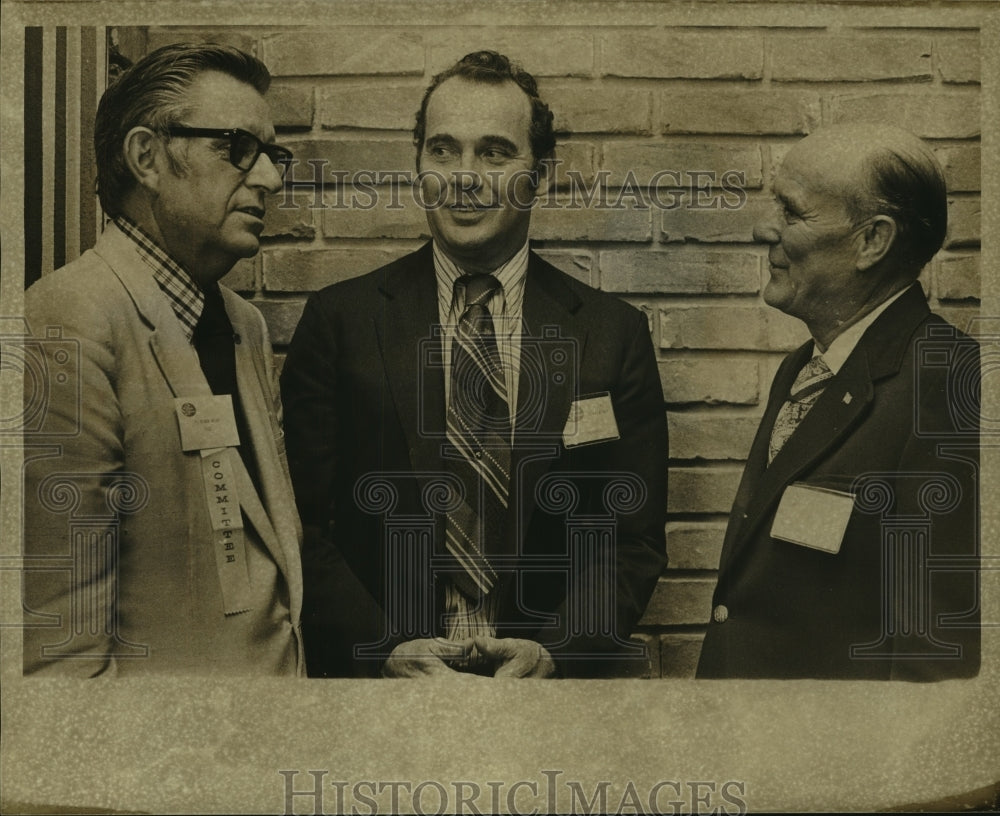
x=720, y=614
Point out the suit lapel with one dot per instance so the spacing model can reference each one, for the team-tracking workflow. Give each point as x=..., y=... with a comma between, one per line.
x=272, y=512
x=255, y=511
x=835, y=413
x=839, y=409
x=552, y=350
x=756, y=464
x=173, y=352
x=178, y=362
x=405, y=328
x=549, y=310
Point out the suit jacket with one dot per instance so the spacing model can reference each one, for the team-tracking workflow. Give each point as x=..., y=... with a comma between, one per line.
x=110, y=493
x=897, y=427
x=364, y=395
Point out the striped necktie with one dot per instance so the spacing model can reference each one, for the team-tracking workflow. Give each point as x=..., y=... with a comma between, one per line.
x=806, y=389
x=479, y=428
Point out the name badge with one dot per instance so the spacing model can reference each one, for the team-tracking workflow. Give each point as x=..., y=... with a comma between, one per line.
x=206, y=422
x=591, y=419
x=814, y=517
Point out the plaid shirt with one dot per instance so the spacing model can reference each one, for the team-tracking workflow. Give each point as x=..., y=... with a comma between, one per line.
x=185, y=296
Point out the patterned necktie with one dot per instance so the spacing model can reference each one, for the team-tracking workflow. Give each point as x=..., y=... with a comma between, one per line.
x=479, y=428
x=805, y=391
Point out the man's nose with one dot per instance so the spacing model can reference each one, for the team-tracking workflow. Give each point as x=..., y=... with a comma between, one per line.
x=467, y=178
x=266, y=174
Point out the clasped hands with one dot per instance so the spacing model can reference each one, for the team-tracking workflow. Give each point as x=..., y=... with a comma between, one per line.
x=434, y=657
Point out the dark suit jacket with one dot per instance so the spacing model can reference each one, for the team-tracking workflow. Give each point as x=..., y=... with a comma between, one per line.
x=365, y=422
x=897, y=426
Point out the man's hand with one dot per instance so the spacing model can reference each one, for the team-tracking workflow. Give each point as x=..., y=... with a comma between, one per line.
x=426, y=657
x=516, y=657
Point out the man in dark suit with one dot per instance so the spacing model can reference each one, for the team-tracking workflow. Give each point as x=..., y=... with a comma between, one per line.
x=477, y=440
x=852, y=546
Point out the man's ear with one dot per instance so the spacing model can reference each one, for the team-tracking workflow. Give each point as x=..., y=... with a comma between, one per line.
x=545, y=173
x=143, y=148
x=876, y=240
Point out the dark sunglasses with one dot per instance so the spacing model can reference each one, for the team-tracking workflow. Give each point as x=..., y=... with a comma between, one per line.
x=244, y=147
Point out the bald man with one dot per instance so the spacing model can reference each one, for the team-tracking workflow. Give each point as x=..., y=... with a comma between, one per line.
x=852, y=546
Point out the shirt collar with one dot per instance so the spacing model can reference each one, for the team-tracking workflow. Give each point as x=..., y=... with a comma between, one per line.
x=844, y=343
x=510, y=274
x=185, y=296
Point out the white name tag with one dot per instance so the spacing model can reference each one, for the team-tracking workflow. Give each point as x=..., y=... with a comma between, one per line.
x=591, y=419
x=206, y=422
x=814, y=517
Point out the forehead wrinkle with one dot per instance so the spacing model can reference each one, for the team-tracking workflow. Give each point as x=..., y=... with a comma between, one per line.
x=788, y=192
x=827, y=165
x=214, y=95
x=479, y=106
x=816, y=184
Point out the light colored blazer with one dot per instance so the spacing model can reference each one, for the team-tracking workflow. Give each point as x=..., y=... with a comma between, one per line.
x=121, y=572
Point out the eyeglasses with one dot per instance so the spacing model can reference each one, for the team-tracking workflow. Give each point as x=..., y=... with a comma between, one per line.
x=244, y=147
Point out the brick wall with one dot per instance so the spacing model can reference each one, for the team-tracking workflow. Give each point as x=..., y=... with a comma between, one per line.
x=641, y=100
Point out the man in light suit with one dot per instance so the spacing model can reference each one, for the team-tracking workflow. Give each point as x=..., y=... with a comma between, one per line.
x=541, y=564
x=160, y=528
x=852, y=546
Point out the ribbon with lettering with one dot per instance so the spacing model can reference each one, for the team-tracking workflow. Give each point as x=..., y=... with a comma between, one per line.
x=227, y=527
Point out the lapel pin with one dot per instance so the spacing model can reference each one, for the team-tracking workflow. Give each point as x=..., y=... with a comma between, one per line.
x=847, y=398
